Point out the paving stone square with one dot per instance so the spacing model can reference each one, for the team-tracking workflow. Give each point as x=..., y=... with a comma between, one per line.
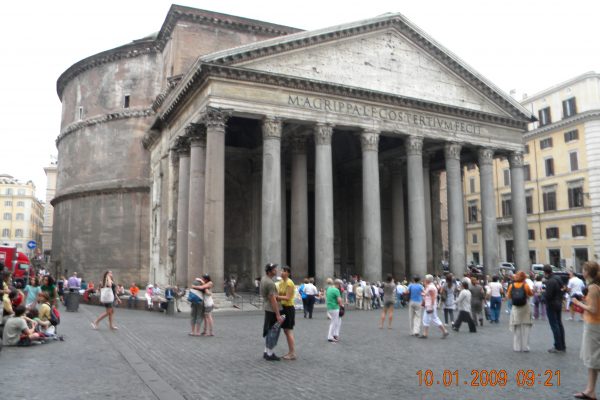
x=152, y=357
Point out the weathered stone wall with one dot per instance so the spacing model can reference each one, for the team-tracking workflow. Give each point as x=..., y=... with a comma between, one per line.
x=100, y=232
x=102, y=197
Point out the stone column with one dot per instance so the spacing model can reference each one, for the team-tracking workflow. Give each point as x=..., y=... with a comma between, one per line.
x=214, y=208
x=398, y=227
x=436, y=222
x=417, y=235
x=195, y=238
x=427, y=198
x=283, y=208
x=299, y=211
x=488, y=210
x=519, y=211
x=183, y=189
x=256, y=168
x=369, y=141
x=271, y=192
x=456, y=214
x=323, y=204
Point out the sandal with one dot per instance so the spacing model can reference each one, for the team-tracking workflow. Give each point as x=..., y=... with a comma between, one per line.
x=582, y=395
x=94, y=326
x=289, y=357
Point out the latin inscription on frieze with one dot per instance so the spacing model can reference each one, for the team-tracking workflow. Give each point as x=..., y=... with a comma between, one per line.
x=382, y=113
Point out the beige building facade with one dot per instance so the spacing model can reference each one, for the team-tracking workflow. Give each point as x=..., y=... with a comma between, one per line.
x=21, y=213
x=562, y=179
x=46, y=246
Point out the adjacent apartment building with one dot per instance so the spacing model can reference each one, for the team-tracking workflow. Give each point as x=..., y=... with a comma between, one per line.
x=562, y=173
x=21, y=213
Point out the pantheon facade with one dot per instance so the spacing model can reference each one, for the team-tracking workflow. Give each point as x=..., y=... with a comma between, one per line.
x=222, y=143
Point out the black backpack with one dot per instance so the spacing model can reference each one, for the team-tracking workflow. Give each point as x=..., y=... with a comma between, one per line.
x=518, y=295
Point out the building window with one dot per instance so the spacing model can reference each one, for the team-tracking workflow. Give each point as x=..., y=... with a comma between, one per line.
x=531, y=234
x=506, y=207
x=544, y=116
x=126, y=102
x=575, y=194
x=526, y=149
x=472, y=185
x=552, y=233
x=18, y=233
x=569, y=107
x=8, y=203
x=527, y=172
x=506, y=177
x=7, y=216
x=5, y=232
x=20, y=204
x=9, y=192
x=549, y=164
x=20, y=217
x=474, y=238
x=571, y=135
x=578, y=230
x=529, y=203
x=546, y=143
x=472, y=211
x=549, y=198
x=21, y=192
x=574, y=161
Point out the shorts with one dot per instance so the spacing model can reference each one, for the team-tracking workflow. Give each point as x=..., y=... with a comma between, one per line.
x=388, y=304
x=270, y=320
x=208, y=309
x=290, y=317
x=197, y=313
x=107, y=305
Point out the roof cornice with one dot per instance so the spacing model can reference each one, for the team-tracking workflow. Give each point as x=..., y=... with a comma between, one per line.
x=564, y=123
x=562, y=85
x=151, y=45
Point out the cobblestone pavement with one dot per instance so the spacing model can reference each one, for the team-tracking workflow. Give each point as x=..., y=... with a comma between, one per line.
x=152, y=357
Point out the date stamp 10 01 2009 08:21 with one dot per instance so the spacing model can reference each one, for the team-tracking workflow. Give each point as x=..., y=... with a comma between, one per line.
x=489, y=378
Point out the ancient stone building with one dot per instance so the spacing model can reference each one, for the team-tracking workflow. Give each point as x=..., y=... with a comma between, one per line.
x=223, y=143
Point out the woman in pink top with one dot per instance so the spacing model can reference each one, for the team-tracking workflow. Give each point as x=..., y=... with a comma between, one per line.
x=430, y=315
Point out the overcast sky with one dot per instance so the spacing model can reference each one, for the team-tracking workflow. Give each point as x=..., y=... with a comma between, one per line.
x=523, y=45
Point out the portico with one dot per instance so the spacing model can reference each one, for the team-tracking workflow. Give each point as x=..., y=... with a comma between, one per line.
x=291, y=166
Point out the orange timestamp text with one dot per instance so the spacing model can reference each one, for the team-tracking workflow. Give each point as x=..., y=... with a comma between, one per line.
x=489, y=378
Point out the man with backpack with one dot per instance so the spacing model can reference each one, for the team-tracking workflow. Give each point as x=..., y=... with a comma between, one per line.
x=553, y=296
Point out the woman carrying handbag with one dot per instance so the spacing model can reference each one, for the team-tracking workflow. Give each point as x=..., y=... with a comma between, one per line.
x=107, y=298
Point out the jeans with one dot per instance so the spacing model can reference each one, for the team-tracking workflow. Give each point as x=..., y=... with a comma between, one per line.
x=495, y=306
x=555, y=321
x=310, y=304
x=448, y=312
x=131, y=301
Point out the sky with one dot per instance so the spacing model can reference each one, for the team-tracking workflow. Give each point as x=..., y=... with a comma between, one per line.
x=519, y=45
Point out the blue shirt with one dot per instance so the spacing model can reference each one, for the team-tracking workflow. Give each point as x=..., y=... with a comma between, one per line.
x=416, y=290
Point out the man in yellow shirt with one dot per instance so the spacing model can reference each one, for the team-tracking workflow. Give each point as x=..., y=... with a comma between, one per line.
x=286, y=291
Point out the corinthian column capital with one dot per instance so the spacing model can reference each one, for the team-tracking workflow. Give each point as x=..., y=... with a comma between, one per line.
x=216, y=118
x=414, y=146
x=323, y=133
x=516, y=159
x=369, y=140
x=486, y=156
x=452, y=151
x=272, y=128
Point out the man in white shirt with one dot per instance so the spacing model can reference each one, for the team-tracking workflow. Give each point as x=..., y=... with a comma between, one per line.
x=311, y=294
x=575, y=287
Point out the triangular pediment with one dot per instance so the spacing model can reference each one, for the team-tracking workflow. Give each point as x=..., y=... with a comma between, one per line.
x=386, y=54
